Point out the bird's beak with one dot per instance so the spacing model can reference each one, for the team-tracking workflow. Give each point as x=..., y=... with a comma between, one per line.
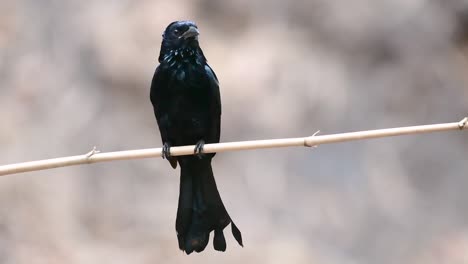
x=191, y=32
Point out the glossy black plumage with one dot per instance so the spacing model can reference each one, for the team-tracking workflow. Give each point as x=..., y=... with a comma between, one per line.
x=187, y=105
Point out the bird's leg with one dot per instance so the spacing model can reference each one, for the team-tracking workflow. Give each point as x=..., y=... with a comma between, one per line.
x=199, y=149
x=166, y=154
x=166, y=151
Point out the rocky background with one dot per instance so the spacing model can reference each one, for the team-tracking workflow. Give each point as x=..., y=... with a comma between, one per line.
x=76, y=74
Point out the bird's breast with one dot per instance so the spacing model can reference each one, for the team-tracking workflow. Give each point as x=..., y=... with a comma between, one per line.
x=189, y=88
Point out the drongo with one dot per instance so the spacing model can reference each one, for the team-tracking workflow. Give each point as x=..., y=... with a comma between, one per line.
x=187, y=105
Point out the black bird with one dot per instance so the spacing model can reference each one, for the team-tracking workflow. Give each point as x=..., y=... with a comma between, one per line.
x=187, y=105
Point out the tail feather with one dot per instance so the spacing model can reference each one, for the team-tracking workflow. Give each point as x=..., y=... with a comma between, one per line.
x=201, y=209
x=236, y=233
x=219, y=242
x=184, y=209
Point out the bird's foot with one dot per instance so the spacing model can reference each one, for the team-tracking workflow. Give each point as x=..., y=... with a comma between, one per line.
x=199, y=149
x=166, y=151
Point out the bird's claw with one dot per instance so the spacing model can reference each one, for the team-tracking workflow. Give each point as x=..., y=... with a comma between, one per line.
x=166, y=151
x=199, y=149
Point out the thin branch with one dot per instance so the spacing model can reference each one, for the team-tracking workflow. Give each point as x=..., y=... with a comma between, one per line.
x=94, y=156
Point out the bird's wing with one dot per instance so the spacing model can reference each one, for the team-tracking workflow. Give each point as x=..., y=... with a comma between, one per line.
x=157, y=88
x=155, y=92
x=216, y=103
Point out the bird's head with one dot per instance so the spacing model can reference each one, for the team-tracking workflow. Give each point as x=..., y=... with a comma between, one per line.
x=180, y=32
x=179, y=38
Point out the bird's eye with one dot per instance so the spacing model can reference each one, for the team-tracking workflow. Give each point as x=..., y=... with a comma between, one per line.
x=176, y=31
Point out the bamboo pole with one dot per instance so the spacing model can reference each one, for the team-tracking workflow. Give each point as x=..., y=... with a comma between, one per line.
x=95, y=156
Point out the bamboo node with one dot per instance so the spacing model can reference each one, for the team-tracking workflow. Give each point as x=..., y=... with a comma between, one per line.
x=462, y=123
x=91, y=153
x=307, y=140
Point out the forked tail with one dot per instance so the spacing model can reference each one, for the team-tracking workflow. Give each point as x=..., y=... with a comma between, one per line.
x=201, y=209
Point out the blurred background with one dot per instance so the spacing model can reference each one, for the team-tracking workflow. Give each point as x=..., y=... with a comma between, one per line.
x=76, y=74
